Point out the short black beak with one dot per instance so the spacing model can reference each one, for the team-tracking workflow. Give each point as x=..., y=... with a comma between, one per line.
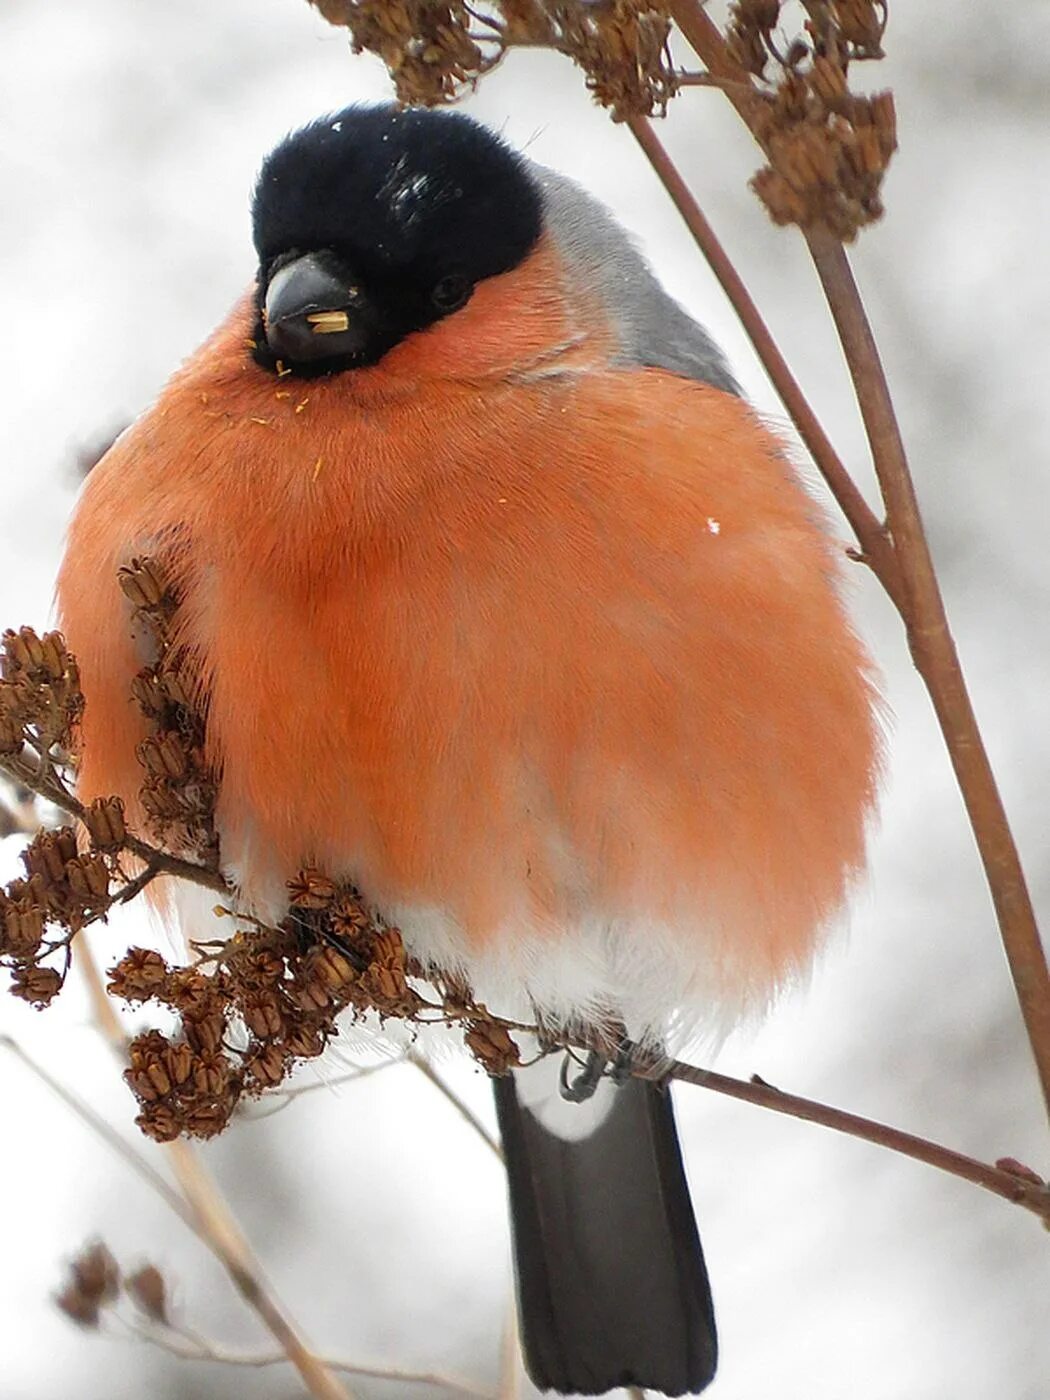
x=314, y=311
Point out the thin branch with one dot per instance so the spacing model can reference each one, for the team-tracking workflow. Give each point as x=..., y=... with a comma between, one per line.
x=17, y=818
x=106, y=1133
x=286, y=1097
x=510, y=1354
x=915, y=592
x=214, y=1223
x=934, y=653
x=45, y=784
x=193, y=1349
x=1018, y=1190
x=877, y=548
x=462, y=1108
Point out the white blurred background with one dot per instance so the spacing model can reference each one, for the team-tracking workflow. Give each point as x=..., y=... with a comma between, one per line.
x=129, y=139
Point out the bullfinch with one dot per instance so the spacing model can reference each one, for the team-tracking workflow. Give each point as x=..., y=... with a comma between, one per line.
x=509, y=609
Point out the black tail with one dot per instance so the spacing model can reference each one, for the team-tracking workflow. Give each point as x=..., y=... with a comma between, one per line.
x=612, y=1287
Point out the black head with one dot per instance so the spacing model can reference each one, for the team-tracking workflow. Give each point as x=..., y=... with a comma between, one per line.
x=375, y=223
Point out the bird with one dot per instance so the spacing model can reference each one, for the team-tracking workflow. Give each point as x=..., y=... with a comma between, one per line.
x=509, y=608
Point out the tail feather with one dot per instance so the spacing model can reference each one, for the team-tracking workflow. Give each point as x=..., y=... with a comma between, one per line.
x=612, y=1286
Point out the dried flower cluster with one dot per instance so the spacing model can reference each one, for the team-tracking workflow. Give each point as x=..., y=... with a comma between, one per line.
x=267, y=998
x=40, y=696
x=828, y=148
x=250, y=1007
x=178, y=792
x=434, y=51
x=67, y=884
x=64, y=889
x=96, y=1282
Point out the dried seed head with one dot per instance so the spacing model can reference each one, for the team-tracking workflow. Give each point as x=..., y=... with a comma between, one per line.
x=12, y=737
x=143, y=584
x=139, y=975
x=209, y=1119
x=96, y=1273
x=311, y=890
x=491, y=1046
x=160, y=1122
x=77, y=1306
x=436, y=49
x=104, y=820
x=308, y=993
x=21, y=928
x=205, y=1033
x=331, y=967
x=212, y=1074
x=94, y=1281
x=179, y=1063
x=37, y=985
x=263, y=1014
x=266, y=1067
x=148, y=1291
x=306, y=1041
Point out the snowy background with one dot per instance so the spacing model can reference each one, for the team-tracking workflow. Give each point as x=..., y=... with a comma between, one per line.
x=129, y=138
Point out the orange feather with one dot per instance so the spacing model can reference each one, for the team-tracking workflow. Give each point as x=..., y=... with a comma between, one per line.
x=497, y=628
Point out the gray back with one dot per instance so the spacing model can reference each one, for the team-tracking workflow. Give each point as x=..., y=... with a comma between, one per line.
x=652, y=327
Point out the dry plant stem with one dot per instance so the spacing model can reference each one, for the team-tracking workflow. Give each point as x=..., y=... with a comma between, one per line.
x=44, y=784
x=107, y=1134
x=463, y=1109
x=706, y=40
x=510, y=1354
x=1002, y=1183
x=192, y=1350
x=17, y=818
x=877, y=549
x=1015, y=1189
x=916, y=592
x=933, y=651
x=214, y=1223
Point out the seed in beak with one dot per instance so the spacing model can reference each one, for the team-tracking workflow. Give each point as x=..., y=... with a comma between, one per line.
x=328, y=322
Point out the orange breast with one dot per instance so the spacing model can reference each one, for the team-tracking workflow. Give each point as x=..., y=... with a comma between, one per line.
x=520, y=647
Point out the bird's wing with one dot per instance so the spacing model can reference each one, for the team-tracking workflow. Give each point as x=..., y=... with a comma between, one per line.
x=652, y=328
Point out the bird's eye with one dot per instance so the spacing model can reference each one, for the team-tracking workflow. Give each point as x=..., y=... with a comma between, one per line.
x=451, y=292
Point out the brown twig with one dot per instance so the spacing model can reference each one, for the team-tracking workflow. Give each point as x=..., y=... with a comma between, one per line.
x=876, y=547
x=463, y=1109
x=215, y=1225
x=229, y=1245
x=934, y=653
x=913, y=582
x=1032, y=1195
x=104, y=1132
x=198, y=1349
x=45, y=784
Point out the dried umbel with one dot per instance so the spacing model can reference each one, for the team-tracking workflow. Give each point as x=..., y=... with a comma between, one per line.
x=250, y=1007
x=95, y=1284
x=434, y=51
x=64, y=889
x=178, y=791
x=828, y=148
x=266, y=999
x=40, y=699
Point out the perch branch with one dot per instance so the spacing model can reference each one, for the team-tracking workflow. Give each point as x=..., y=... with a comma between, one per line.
x=914, y=589
x=877, y=548
x=214, y=1223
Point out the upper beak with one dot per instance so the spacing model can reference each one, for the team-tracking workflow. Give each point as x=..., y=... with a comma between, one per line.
x=312, y=311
